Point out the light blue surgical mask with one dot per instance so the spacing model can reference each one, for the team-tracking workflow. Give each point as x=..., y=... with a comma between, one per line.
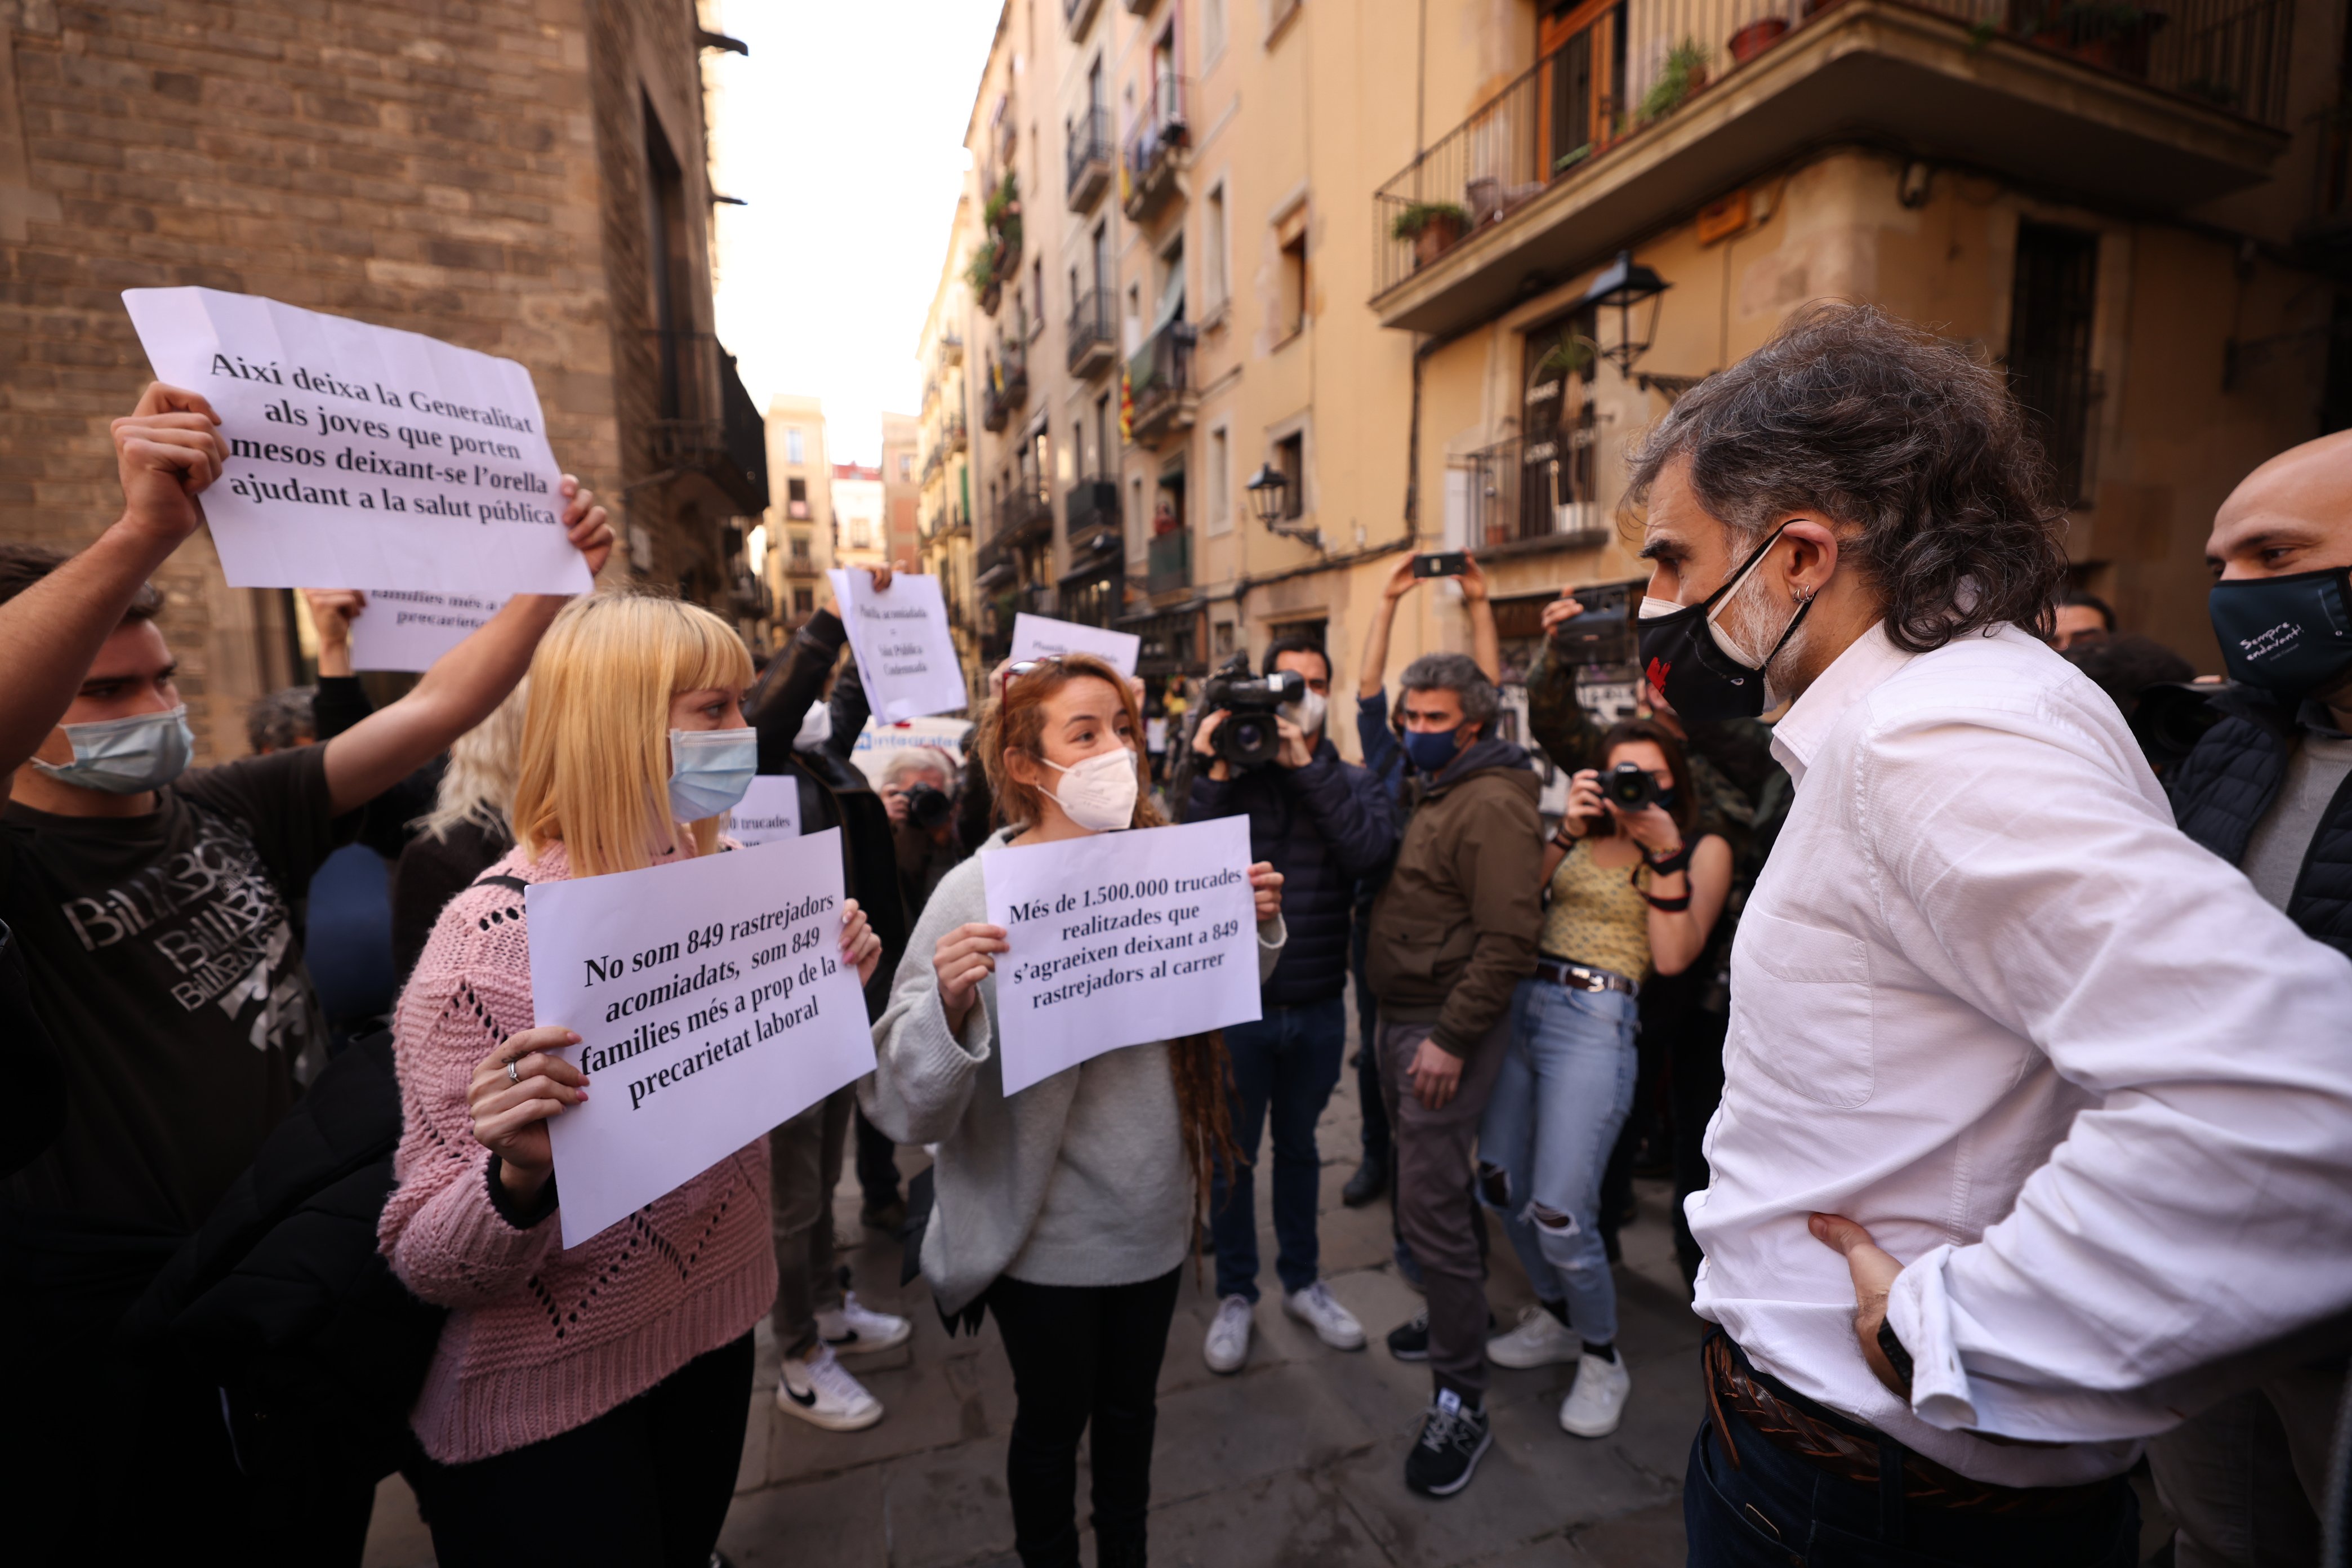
x=125, y=757
x=709, y=769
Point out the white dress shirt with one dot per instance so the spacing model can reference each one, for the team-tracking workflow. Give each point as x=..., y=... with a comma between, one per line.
x=2069, y=1068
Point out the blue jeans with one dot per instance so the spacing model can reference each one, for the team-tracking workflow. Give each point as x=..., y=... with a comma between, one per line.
x=1566, y=1086
x=1286, y=1063
x=1772, y=1510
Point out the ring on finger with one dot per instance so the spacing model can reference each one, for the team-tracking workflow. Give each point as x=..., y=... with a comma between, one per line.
x=513, y=1075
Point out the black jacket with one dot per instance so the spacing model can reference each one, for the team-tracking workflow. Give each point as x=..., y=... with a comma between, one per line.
x=1323, y=826
x=2228, y=784
x=831, y=783
x=283, y=1300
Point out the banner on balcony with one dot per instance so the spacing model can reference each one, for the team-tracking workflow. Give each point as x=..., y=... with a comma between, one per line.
x=1035, y=637
x=711, y=1003
x=905, y=654
x=364, y=456
x=403, y=628
x=1121, y=938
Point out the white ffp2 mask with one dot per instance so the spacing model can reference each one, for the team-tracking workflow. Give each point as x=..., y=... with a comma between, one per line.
x=1098, y=794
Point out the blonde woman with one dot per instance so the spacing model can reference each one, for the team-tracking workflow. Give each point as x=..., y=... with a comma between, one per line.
x=621, y=1362
x=464, y=833
x=1064, y=1211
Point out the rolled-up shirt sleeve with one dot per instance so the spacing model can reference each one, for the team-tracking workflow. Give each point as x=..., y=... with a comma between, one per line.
x=2196, y=1206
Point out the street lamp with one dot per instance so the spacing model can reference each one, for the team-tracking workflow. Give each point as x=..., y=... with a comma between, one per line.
x=1268, y=489
x=1624, y=285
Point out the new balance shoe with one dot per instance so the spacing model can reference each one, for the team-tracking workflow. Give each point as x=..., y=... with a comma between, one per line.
x=1227, y=1344
x=823, y=1393
x=1319, y=1310
x=1540, y=1339
x=854, y=1329
x=1454, y=1436
x=1597, y=1403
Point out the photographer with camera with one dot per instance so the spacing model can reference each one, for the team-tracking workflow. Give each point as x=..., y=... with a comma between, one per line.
x=2268, y=787
x=919, y=791
x=1633, y=889
x=1261, y=751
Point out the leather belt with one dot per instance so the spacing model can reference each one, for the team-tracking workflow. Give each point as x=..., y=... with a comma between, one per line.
x=1580, y=977
x=1851, y=1451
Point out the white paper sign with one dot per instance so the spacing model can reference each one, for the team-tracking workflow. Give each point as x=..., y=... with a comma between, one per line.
x=712, y=1004
x=1033, y=637
x=364, y=456
x=878, y=742
x=770, y=810
x=402, y=630
x=1121, y=938
x=900, y=636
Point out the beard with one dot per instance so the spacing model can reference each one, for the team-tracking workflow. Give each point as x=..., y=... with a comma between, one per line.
x=1751, y=623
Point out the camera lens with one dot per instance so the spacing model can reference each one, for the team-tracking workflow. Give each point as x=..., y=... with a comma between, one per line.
x=1630, y=785
x=927, y=807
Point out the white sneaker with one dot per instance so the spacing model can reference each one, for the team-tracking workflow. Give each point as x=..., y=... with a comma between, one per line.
x=1597, y=1403
x=1227, y=1345
x=823, y=1393
x=1319, y=1310
x=855, y=1329
x=1540, y=1340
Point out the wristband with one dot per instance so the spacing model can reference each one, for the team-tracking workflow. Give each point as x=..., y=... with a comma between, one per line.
x=1896, y=1356
x=1665, y=906
x=1667, y=865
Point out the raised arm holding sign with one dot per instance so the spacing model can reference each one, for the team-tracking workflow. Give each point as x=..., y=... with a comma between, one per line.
x=900, y=633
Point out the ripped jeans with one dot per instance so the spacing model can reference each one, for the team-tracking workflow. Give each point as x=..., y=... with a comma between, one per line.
x=1566, y=1087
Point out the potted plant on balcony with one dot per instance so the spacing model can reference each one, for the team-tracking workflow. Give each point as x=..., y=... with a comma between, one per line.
x=1683, y=73
x=1756, y=37
x=981, y=277
x=1433, y=226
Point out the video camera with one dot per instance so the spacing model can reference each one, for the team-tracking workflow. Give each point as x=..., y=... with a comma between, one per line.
x=1249, y=737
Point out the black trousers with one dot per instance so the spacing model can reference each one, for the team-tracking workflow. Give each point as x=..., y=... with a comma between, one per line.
x=877, y=1164
x=645, y=1485
x=1081, y=1355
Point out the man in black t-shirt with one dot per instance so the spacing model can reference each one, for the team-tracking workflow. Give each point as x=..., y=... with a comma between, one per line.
x=155, y=910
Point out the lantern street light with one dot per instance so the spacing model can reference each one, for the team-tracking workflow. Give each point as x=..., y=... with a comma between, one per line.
x=1269, y=492
x=1625, y=285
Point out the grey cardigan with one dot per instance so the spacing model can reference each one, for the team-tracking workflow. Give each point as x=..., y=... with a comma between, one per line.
x=1109, y=1128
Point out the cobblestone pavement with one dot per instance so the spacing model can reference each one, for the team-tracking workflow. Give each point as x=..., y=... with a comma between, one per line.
x=1296, y=1461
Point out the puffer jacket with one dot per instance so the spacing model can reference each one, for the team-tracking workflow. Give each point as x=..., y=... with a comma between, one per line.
x=1323, y=826
x=2225, y=787
x=1453, y=931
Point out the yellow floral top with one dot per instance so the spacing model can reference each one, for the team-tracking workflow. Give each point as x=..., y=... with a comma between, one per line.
x=1596, y=917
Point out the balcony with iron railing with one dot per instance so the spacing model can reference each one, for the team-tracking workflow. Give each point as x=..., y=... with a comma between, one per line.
x=1168, y=563
x=1007, y=388
x=950, y=352
x=1026, y=512
x=1088, y=155
x=1090, y=516
x=1162, y=398
x=704, y=419
x=1155, y=150
x=1535, y=493
x=1642, y=110
x=953, y=435
x=1092, y=347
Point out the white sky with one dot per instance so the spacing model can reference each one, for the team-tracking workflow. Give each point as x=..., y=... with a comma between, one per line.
x=844, y=129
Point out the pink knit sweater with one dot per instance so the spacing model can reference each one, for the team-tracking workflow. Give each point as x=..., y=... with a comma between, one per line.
x=541, y=1340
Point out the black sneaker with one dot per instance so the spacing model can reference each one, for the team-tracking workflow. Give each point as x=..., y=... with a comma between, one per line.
x=1452, y=1438
x=1370, y=1181
x=1410, y=1341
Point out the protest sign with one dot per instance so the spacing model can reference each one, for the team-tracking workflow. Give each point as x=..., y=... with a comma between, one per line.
x=1119, y=938
x=900, y=636
x=878, y=743
x=711, y=1003
x=364, y=456
x=770, y=810
x=1033, y=637
x=401, y=629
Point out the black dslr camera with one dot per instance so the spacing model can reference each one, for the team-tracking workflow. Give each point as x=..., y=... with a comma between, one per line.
x=1249, y=737
x=1628, y=787
x=928, y=808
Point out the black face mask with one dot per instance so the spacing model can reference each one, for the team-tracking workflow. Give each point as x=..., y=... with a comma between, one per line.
x=2291, y=635
x=1684, y=659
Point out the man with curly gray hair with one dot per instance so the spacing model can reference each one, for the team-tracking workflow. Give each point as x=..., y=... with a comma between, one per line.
x=2034, y=1113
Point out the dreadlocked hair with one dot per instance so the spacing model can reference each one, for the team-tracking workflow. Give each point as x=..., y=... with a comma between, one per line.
x=1014, y=721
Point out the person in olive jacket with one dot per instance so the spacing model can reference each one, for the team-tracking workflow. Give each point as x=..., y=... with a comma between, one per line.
x=1452, y=934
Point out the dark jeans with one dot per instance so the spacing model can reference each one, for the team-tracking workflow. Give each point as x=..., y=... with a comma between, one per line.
x=1286, y=1063
x=1436, y=1197
x=878, y=1163
x=1081, y=1355
x=645, y=1483
x=1772, y=1510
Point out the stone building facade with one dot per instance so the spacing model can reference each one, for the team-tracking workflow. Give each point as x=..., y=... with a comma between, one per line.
x=524, y=177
